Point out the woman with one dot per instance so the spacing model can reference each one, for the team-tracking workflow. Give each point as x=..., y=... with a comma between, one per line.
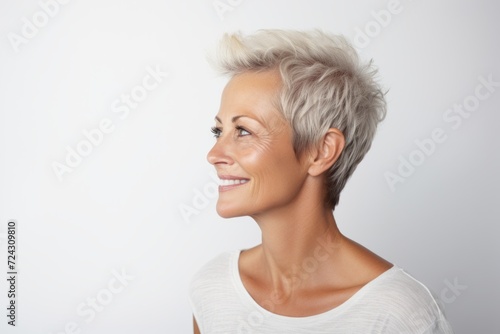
x=297, y=116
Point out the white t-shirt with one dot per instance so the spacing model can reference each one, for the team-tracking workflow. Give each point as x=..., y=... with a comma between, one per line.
x=394, y=302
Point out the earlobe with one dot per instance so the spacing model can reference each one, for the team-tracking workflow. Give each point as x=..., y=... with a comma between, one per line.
x=327, y=152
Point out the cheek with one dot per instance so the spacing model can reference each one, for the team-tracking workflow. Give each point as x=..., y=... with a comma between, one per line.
x=275, y=172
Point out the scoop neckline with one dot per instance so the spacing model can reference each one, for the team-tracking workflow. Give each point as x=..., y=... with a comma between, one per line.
x=306, y=319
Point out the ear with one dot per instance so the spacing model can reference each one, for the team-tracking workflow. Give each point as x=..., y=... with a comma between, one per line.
x=327, y=152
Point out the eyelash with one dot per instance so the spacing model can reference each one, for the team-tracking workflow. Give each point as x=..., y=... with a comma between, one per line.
x=217, y=131
x=239, y=128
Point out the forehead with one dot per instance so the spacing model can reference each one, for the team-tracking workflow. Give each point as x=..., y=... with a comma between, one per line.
x=251, y=92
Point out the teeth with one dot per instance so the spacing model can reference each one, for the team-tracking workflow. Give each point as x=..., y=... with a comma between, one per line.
x=231, y=182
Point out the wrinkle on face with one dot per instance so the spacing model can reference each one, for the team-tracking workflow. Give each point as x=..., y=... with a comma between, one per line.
x=266, y=156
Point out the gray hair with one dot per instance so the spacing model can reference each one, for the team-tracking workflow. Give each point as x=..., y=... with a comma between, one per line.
x=325, y=86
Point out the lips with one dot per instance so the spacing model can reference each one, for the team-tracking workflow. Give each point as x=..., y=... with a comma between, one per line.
x=227, y=182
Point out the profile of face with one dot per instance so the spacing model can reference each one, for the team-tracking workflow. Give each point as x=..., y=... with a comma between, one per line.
x=253, y=153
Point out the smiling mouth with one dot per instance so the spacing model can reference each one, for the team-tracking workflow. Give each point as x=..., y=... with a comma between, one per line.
x=228, y=184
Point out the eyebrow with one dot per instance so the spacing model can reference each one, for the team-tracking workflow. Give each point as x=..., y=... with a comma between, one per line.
x=235, y=118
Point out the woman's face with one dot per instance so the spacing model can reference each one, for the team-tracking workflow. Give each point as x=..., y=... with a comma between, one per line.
x=253, y=153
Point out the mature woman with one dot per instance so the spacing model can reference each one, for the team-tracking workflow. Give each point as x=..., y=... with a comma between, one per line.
x=296, y=117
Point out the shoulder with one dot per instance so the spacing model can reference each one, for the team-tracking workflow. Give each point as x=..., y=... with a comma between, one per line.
x=411, y=306
x=214, y=267
x=398, y=285
x=213, y=274
x=215, y=264
x=210, y=288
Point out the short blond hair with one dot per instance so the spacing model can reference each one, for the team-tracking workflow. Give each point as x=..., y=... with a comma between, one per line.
x=325, y=85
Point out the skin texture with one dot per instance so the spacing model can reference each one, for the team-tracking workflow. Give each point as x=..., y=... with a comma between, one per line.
x=285, y=196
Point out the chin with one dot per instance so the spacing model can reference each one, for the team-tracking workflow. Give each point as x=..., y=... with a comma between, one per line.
x=226, y=211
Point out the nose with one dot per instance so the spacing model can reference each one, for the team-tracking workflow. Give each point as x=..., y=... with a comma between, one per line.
x=219, y=153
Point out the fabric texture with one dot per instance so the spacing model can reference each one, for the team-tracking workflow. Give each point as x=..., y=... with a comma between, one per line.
x=394, y=302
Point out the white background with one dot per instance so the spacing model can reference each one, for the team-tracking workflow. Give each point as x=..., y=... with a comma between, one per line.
x=120, y=208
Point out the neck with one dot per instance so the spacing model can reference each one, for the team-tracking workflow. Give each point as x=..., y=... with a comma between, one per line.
x=296, y=240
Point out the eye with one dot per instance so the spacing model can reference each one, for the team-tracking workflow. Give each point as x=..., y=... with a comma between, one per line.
x=216, y=131
x=242, y=132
